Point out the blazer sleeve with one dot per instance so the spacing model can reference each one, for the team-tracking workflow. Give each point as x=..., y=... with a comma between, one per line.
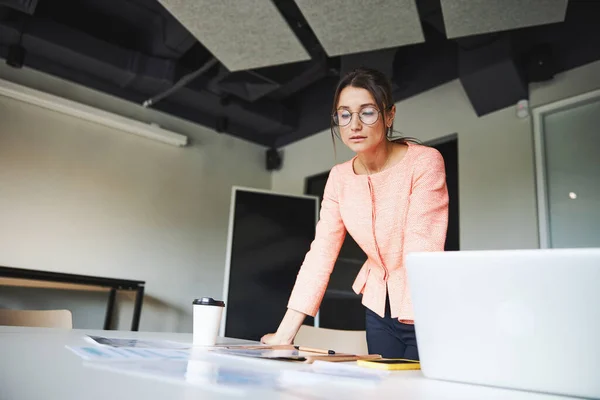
x=313, y=277
x=427, y=217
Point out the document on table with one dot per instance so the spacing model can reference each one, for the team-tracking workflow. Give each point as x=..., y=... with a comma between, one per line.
x=107, y=353
x=208, y=368
x=137, y=343
x=116, y=349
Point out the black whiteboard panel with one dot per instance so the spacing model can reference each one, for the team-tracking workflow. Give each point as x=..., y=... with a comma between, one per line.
x=269, y=236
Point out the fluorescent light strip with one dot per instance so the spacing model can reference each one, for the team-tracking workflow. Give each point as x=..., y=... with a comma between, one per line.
x=81, y=111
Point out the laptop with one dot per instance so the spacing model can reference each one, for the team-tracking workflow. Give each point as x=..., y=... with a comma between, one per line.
x=518, y=319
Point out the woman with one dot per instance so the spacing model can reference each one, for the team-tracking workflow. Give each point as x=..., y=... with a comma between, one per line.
x=392, y=198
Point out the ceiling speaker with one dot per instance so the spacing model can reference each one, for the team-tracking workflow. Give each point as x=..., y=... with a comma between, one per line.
x=274, y=160
x=540, y=64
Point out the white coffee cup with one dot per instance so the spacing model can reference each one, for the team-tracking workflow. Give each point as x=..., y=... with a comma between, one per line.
x=207, y=320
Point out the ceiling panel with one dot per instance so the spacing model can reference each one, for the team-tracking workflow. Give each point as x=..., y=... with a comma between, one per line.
x=353, y=26
x=240, y=34
x=474, y=17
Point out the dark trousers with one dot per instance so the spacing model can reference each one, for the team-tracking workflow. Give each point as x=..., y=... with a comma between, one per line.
x=389, y=337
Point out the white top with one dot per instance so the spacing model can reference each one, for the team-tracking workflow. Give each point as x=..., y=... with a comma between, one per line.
x=34, y=364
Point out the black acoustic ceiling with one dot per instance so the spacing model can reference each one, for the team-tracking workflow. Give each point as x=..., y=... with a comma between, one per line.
x=137, y=50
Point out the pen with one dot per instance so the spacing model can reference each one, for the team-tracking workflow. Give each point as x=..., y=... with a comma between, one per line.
x=311, y=350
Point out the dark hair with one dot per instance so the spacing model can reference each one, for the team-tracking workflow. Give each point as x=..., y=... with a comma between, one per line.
x=380, y=88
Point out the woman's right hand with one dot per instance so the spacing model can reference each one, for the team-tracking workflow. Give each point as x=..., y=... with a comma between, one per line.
x=271, y=339
x=287, y=331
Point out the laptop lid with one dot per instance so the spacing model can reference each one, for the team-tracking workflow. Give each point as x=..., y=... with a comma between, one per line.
x=522, y=319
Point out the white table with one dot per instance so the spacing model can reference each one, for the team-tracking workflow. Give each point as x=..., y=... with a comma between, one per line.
x=34, y=364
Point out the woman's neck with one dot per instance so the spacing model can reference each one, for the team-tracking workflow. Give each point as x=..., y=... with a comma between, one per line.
x=376, y=160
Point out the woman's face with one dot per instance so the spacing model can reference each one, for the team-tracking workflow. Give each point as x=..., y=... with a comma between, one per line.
x=361, y=124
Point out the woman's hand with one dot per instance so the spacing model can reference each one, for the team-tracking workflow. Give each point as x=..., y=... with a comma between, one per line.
x=287, y=331
x=272, y=339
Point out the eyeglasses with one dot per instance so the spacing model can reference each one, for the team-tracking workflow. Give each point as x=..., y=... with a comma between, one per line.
x=367, y=115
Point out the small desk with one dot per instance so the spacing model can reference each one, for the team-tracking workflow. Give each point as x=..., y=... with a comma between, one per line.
x=35, y=364
x=110, y=283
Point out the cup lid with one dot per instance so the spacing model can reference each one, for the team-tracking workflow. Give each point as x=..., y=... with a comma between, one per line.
x=209, y=301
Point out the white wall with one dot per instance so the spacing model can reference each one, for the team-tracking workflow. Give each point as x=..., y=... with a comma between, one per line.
x=495, y=152
x=82, y=198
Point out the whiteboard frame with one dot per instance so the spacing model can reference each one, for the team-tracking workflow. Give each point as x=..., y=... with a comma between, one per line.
x=234, y=191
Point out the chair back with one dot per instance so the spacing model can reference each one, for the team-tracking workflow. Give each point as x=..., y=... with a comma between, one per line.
x=37, y=318
x=341, y=341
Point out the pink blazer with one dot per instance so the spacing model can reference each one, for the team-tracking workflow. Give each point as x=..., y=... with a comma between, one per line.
x=389, y=214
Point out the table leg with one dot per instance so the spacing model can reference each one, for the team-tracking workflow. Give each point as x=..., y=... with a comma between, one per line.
x=110, y=308
x=137, y=311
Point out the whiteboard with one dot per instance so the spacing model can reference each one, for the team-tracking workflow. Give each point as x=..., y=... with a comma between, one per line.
x=269, y=235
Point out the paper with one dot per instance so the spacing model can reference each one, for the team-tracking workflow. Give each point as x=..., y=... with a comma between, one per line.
x=107, y=353
x=137, y=343
x=206, y=368
x=116, y=349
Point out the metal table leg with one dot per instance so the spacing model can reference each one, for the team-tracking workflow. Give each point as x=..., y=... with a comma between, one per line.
x=137, y=311
x=110, y=308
